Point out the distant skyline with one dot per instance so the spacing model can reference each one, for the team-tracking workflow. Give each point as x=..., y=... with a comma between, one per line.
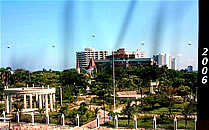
x=32, y=27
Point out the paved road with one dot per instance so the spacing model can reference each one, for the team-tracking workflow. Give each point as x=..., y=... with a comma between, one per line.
x=93, y=123
x=36, y=126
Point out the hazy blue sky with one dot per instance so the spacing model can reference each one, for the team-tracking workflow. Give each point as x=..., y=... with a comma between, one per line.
x=31, y=27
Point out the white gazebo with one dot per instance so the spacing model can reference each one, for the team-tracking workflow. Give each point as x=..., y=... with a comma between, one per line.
x=38, y=94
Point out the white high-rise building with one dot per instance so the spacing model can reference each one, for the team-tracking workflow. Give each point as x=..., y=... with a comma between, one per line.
x=173, y=64
x=161, y=59
x=137, y=53
x=167, y=61
x=170, y=60
x=84, y=57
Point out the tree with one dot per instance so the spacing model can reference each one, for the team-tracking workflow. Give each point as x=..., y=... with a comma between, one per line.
x=2, y=108
x=2, y=75
x=171, y=104
x=41, y=111
x=87, y=115
x=83, y=108
x=188, y=110
x=162, y=99
x=113, y=114
x=151, y=100
x=6, y=76
x=184, y=91
x=102, y=80
x=56, y=106
x=1, y=91
x=73, y=79
x=109, y=100
x=129, y=110
x=21, y=76
x=96, y=111
x=68, y=93
x=64, y=110
x=72, y=115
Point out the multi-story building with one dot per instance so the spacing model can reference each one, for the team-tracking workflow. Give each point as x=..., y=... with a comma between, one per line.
x=190, y=68
x=84, y=57
x=161, y=59
x=123, y=58
x=137, y=53
x=165, y=59
x=173, y=64
x=155, y=58
x=170, y=59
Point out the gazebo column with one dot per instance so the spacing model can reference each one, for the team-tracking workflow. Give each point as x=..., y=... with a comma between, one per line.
x=54, y=98
x=51, y=102
x=36, y=103
x=46, y=103
x=6, y=104
x=10, y=103
x=40, y=101
x=24, y=102
x=43, y=100
x=36, y=97
x=31, y=99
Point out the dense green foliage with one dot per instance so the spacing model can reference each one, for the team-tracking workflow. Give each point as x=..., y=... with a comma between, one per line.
x=172, y=83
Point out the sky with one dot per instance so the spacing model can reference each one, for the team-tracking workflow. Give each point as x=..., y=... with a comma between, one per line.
x=32, y=27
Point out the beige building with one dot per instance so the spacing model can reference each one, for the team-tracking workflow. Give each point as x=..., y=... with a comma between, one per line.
x=84, y=57
x=137, y=53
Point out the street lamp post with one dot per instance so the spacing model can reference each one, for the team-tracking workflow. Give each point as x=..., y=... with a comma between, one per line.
x=60, y=95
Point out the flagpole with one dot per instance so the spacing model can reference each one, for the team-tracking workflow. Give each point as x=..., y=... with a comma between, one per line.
x=113, y=66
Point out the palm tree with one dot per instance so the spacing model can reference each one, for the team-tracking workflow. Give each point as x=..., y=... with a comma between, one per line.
x=18, y=107
x=171, y=103
x=113, y=114
x=5, y=75
x=2, y=74
x=83, y=108
x=87, y=115
x=96, y=111
x=129, y=110
x=63, y=110
x=41, y=111
x=188, y=110
x=56, y=106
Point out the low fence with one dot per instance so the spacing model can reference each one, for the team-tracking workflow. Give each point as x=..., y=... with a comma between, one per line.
x=58, y=120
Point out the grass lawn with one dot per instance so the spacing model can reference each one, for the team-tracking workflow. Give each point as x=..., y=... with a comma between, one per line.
x=178, y=107
x=146, y=122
